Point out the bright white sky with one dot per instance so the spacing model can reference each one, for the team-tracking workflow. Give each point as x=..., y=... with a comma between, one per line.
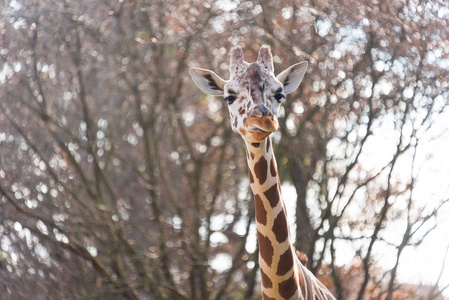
x=424, y=263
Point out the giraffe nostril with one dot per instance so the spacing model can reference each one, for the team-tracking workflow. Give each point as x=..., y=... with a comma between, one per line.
x=261, y=111
x=257, y=113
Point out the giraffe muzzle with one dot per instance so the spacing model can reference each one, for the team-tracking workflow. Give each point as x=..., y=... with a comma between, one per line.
x=261, y=122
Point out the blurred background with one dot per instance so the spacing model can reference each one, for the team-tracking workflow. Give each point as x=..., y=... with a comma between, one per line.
x=120, y=179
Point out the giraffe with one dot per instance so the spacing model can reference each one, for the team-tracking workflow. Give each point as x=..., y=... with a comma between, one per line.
x=253, y=95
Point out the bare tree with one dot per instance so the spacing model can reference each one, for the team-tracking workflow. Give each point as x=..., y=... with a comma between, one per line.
x=119, y=179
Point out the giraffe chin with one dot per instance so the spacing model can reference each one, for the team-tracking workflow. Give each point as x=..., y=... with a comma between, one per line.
x=261, y=127
x=260, y=135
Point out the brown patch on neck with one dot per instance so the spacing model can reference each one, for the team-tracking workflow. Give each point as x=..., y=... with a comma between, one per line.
x=261, y=213
x=256, y=145
x=266, y=281
x=261, y=170
x=285, y=262
x=272, y=195
x=273, y=170
x=288, y=288
x=265, y=248
x=280, y=228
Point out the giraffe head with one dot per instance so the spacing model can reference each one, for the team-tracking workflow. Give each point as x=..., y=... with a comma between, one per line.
x=253, y=93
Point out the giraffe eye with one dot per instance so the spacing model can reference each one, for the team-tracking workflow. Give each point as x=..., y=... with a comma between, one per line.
x=230, y=99
x=279, y=97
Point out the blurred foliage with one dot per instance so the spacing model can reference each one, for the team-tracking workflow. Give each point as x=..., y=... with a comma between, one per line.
x=120, y=179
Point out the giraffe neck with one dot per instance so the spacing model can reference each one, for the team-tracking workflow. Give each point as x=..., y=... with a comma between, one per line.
x=277, y=259
x=283, y=275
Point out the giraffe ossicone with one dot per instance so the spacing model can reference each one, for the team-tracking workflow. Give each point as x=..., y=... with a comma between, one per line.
x=253, y=95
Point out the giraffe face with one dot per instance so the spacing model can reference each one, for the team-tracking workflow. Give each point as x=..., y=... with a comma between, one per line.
x=253, y=97
x=253, y=93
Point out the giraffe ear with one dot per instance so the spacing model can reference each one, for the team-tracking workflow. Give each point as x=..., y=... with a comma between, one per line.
x=208, y=81
x=292, y=76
